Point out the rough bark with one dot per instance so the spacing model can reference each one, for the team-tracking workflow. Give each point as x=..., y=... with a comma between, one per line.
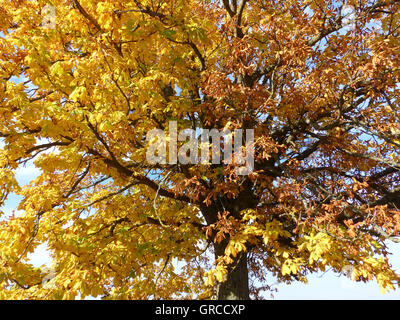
x=236, y=287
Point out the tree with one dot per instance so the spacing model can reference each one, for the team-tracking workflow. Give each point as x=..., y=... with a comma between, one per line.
x=317, y=81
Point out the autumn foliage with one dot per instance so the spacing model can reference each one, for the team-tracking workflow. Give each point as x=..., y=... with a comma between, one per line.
x=317, y=80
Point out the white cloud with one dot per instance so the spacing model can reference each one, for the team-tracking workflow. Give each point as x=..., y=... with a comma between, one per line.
x=25, y=174
x=40, y=256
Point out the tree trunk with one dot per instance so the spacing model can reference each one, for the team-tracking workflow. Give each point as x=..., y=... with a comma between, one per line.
x=236, y=287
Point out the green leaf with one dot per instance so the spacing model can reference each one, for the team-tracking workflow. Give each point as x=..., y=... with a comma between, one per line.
x=169, y=34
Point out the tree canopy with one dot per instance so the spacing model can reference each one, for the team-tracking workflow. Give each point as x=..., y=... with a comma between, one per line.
x=82, y=82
